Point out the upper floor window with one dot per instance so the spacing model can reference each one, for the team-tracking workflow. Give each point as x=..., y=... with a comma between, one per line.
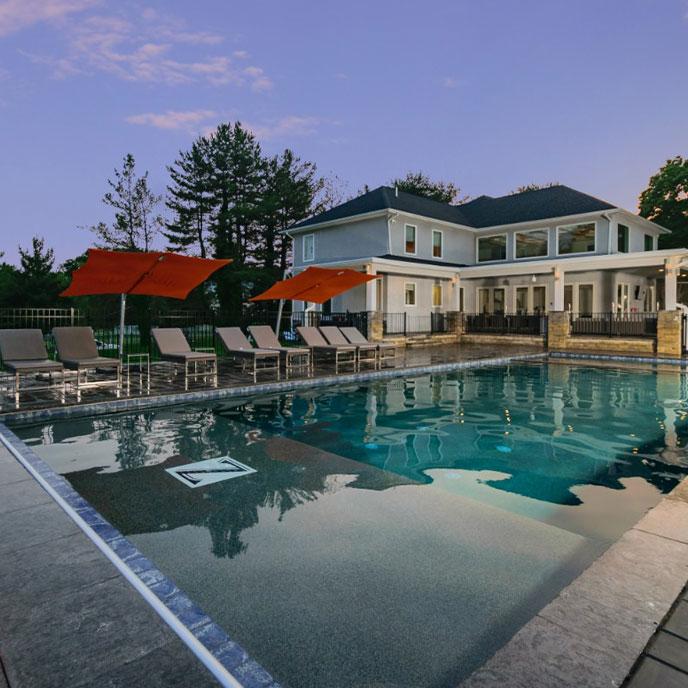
x=649, y=242
x=492, y=248
x=437, y=238
x=532, y=244
x=410, y=239
x=622, y=238
x=578, y=238
x=308, y=247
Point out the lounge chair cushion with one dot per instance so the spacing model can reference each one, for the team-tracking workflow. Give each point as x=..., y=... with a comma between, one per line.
x=90, y=363
x=41, y=366
x=75, y=343
x=265, y=338
x=336, y=338
x=22, y=345
x=314, y=339
x=170, y=340
x=185, y=356
x=236, y=342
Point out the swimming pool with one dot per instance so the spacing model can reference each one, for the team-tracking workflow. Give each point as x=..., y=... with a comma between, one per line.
x=395, y=533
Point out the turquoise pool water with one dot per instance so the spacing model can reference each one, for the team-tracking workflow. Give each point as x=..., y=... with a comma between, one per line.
x=395, y=533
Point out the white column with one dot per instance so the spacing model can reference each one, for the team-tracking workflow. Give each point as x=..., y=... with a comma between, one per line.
x=456, y=295
x=670, y=274
x=558, y=299
x=371, y=291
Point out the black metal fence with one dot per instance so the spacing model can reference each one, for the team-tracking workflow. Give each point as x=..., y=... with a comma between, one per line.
x=614, y=325
x=409, y=324
x=505, y=323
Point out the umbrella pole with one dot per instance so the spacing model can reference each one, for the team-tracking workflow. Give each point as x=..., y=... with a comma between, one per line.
x=122, y=308
x=279, y=316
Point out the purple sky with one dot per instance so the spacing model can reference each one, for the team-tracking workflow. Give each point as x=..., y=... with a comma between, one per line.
x=489, y=94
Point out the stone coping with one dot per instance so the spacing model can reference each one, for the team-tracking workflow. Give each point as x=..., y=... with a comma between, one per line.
x=592, y=634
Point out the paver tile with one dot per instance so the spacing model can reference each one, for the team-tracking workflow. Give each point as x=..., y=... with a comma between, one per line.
x=678, y=621
x=20, y=495
x=670, y=649
x=654, y=674
x=34, y=526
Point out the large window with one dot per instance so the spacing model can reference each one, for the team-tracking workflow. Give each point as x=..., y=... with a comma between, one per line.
x=492, y=248
x=410, y=239
x=437, y=294
x=532, y=244
x=410, y=294
x=622, y=238
x=436, y=243
x=308, y=247
x=576, y=238
x=649, y=242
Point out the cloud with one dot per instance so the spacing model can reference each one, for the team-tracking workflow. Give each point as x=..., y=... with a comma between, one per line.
x=144, y=48
x=240, y=54
x=450, y=82
x=172, y=119
x=286, y=127
x=20, y=14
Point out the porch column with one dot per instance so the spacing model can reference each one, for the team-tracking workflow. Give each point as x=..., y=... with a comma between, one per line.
x=558, y=298
x=371, y=290
x=671, y=271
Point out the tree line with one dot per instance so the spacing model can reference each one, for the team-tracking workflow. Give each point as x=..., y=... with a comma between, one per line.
x=226, y=198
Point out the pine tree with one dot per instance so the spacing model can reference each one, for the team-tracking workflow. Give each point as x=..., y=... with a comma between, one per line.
x=190, y=199
x=38, y=285
x=135, y=225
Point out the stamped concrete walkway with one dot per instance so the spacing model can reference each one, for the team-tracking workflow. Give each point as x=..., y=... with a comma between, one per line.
x=67, y=616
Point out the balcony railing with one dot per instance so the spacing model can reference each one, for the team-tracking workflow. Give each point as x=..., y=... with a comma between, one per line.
x=505, y=323
x=614, y=325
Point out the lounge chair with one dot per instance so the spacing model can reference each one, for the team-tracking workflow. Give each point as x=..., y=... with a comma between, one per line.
x=77, y=350
x=385, y=352
x=344, y=355
x=23, y=353
x=293, y=358
x=238, y=346
x=366, y=354
x=174, y=348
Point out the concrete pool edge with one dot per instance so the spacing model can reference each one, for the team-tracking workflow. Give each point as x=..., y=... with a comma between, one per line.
x=595, y=630
x=223, y=657
x=140, y=403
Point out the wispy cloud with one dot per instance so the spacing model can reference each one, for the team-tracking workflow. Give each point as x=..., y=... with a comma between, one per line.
x=19, y=14
x=286, y=127
x=173, y=119
x=141, y=47
x=450, y=82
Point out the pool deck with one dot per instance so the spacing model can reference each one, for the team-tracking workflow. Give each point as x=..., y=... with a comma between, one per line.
x=69, y=618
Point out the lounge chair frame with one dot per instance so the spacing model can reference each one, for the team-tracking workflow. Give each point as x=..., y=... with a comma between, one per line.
x=177, y=353
x=386, y=352
x=77, y=350
x=239, y=348
x=343, y=355
x=295, y=359
x=363, y=350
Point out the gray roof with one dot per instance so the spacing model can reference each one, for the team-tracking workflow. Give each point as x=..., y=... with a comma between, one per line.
x=484, y=211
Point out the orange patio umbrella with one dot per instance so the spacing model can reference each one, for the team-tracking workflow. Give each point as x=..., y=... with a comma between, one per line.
x=153, y=273
x=315, y=285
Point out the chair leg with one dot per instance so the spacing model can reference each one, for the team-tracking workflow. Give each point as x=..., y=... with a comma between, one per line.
x=16, y=390
x=186, y=376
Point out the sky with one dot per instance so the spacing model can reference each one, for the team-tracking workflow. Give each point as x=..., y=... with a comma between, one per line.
x=489, y=94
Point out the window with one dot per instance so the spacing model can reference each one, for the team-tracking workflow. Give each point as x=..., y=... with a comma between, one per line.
x=492, y=248
x=410, y=239
x=539, y=299
x=521, y=300
x=649, y=242
x=532, y=244
x=436, y=294
x=436, y=243
x=308, y=247
x=585, y=300
x=410, y=294
x=622, y=238
x=576, y=238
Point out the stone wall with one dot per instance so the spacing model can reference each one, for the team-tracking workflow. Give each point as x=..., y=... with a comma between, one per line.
x=558, y=330
x=669, y=333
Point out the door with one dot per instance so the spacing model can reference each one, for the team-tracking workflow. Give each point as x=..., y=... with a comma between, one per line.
x=498, y=300
x=585, y=300
x=539, y=299
x=568, y=298
x=623, y=296
x=521, y=300
x=483, y=300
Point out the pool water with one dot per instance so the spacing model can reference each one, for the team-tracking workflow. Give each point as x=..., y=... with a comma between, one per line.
x=394, y=533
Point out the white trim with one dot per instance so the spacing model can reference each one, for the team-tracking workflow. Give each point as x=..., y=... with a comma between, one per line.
x=530, y=231
x=490, y=236
x=303, y=248
x=415, y=295
x=578, y=253
x=432, y=244
x=415, y=239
